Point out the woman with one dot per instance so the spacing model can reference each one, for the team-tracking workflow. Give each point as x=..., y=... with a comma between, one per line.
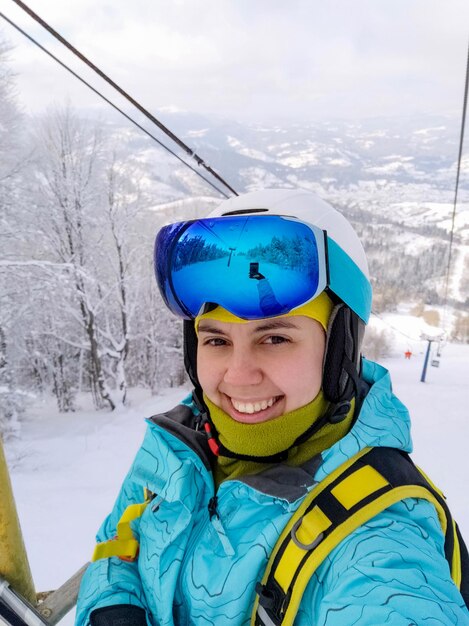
x=275, y=294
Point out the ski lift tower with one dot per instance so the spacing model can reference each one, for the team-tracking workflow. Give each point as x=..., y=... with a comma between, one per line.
x=430, y=340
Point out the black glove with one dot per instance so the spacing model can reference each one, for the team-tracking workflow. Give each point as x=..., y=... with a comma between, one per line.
x=118, y=615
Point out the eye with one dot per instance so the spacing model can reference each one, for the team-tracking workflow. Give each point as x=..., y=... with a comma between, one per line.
x=214, y=341
x=276, y=339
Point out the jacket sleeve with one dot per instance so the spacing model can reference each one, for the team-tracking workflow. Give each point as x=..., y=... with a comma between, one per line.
x=112, y=581
x=391, y=571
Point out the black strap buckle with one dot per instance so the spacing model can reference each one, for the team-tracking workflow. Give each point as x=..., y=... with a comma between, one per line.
x=271, y=604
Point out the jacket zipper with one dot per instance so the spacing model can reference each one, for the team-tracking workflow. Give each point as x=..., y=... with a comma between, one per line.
x=220, y=529
x=214, y=520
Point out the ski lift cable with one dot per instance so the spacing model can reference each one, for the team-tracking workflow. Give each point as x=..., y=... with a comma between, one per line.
x=123, y=93
x=114, y=106
x=458, y=171
x=393, y=327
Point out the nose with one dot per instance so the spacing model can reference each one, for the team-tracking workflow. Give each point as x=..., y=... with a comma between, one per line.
x=242, y=368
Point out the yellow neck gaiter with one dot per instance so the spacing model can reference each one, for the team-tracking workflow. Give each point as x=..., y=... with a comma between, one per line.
x=274, y=436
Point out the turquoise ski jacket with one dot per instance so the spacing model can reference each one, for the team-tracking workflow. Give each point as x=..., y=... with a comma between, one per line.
x=199, y=563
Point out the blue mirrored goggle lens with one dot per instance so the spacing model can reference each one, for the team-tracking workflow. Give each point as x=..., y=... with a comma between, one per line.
x=254, y=266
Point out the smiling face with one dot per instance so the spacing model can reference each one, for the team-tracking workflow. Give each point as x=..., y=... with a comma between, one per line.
x=257, y=371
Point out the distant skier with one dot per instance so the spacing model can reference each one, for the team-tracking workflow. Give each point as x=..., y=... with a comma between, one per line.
x=289, y=433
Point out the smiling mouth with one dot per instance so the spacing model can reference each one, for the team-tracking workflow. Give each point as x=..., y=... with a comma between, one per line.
x=254, y=407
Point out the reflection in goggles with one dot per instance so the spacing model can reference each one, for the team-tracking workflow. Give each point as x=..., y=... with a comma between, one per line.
x=253, y=266
x=289, y=252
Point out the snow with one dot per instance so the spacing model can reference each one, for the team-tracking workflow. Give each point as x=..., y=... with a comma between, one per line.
x=300, y=159
x=378, y=133
x=281, y=279
x=413, y=244
x=66, y=468
x=406, y=328
x=365, y=143
x=426, y=131
x=434, y=213
x=460, y=265
x=340, y=162
x=394, y=157
x=390, y=168
x=440, y=420
x=258, y=178
x=249, y=152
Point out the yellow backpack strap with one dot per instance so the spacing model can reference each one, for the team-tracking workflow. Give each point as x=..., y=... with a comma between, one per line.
x=368, y=483
x=123, y=545
x=458, y=557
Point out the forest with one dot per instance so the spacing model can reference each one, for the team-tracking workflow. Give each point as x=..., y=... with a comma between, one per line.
x=80, y=309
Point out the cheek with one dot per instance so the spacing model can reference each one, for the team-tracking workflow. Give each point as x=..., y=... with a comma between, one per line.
x=203, y=372
x=207, y=373
x=301, y=378
x=316, y=365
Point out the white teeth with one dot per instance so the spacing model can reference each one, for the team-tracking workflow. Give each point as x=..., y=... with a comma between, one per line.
x=252, y=407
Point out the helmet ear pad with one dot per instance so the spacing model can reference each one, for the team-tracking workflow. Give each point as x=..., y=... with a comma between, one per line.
x=341, y=368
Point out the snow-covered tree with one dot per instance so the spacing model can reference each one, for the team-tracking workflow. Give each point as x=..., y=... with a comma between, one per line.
x=67, y=181
x=11, y=165
x=118, y=265
x=94, y=310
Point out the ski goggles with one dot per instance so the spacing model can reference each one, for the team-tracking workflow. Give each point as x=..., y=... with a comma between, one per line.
x=255, y=266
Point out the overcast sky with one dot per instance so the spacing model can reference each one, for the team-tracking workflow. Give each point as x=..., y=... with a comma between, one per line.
x=259, y=60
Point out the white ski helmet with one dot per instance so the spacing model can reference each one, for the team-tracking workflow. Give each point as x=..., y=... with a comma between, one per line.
x=348, y=286
x=305, y=206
